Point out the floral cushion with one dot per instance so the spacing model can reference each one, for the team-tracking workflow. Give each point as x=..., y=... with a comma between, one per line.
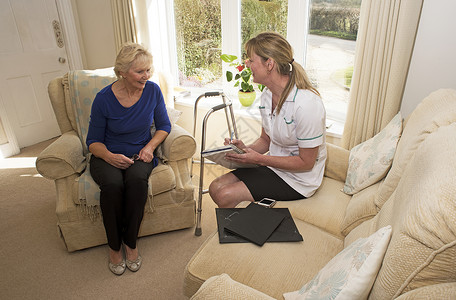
x=370, y=161
x=351, y=273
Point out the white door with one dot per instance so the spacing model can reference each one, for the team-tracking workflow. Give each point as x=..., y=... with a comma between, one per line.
x=31, y=54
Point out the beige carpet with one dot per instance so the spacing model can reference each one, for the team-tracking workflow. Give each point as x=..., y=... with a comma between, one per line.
x=36, y=265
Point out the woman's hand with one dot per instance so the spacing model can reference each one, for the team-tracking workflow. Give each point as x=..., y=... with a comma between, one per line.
x=146, y=154
x=119, y=161
x=249, y=157
x=238, y=143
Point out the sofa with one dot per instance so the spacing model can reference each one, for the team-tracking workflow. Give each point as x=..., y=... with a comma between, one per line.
x=412, y=206
x=171, y=202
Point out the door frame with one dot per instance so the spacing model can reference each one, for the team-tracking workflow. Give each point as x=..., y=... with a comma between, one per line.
x=70, y=33
x=74, y=57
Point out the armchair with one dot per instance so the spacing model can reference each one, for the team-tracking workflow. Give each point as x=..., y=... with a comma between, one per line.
x=171, y=203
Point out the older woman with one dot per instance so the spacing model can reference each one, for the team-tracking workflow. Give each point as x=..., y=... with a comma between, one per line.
x=292, y=135
x=123, y=150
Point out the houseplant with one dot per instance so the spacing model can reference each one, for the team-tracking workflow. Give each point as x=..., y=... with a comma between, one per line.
x=242, y=78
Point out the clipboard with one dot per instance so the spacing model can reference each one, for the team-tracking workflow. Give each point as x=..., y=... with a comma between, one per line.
x=217, y=155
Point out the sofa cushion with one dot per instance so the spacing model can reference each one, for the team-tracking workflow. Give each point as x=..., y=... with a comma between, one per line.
x=370, y=161
x=422, y=212
x=360, y=208
x=273, y=269
x=351, y=273
x=336, y=162
x=325, y=209
x=427, y=117
x=435, y=291
x=223, y=287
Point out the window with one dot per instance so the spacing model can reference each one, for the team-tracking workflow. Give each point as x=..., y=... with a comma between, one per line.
x=331, y=52
x=190, y=35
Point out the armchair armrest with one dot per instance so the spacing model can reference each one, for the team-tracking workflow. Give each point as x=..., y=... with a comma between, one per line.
x=336, y=162
x=62, y=158
x=179, y=144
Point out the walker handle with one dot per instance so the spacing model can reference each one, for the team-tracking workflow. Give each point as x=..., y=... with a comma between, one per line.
x=218, y=107
x=211, y=94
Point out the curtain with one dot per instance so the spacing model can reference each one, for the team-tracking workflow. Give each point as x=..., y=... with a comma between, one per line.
x=387, y=30
x=124, y=22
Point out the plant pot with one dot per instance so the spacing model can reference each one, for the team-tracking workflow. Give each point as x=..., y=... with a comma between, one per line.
x=246, y=98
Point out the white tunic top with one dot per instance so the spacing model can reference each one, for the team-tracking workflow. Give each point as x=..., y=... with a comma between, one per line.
x=301, y=123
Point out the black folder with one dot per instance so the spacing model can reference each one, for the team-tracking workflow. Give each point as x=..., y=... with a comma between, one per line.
x=286, y=231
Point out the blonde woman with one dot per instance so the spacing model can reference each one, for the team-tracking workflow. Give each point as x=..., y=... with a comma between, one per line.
x=291, y=149
x=123, y=150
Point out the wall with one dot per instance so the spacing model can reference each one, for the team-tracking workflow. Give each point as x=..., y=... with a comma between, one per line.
x=433, y=62
x=96, y=32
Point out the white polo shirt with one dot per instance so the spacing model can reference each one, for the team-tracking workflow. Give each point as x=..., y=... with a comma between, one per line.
x=300, y=124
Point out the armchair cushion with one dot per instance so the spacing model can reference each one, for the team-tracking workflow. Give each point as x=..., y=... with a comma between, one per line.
x=62, y=158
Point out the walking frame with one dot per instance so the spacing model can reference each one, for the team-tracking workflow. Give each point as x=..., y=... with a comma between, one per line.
x=231, y=123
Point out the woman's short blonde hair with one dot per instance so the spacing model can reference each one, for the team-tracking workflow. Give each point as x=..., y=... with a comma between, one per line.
x=129, y=53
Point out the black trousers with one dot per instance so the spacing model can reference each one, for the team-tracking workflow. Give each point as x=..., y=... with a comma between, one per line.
x=122, y=199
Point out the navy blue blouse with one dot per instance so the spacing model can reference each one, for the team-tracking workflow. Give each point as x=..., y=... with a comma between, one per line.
x=127, y=130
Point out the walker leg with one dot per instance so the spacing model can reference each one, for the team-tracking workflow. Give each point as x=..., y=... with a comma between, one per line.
x=233, y=129
x=198, y=230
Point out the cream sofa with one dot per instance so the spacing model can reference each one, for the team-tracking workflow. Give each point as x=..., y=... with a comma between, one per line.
x=417, y=198
x=171, y=203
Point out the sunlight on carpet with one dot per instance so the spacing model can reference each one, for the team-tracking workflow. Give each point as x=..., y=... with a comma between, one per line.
x=17, y=162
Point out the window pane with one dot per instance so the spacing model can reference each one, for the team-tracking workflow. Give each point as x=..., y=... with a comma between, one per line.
x=262, y=15
x=331, y=51
x=198, y=40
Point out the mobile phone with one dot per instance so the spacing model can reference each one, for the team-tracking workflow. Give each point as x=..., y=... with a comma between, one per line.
x=267, y=202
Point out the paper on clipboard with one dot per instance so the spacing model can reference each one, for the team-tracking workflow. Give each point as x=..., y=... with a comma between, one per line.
x=217, y=155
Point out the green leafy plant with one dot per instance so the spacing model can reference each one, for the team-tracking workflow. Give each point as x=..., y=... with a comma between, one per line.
x=243, y=76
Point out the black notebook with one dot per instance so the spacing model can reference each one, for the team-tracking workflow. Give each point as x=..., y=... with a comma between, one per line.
x=285, y=232
x=255, y=223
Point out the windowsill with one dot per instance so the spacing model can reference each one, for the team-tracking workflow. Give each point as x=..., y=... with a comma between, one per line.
x=334, y=128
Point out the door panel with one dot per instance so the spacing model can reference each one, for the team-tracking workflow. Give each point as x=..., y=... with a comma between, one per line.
x=29, y=59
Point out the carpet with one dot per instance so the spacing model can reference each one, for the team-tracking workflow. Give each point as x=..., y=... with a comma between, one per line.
x=36, y=265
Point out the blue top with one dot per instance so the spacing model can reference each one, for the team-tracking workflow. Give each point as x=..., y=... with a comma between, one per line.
x=127, y=130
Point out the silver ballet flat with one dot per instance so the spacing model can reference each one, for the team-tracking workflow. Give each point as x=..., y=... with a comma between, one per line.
x=117, y=269
x=135, y=264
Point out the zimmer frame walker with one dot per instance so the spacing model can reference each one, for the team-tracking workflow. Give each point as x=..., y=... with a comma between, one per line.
x=231, y=123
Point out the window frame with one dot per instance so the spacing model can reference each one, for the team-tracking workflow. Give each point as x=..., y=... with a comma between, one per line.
x=160, y=15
